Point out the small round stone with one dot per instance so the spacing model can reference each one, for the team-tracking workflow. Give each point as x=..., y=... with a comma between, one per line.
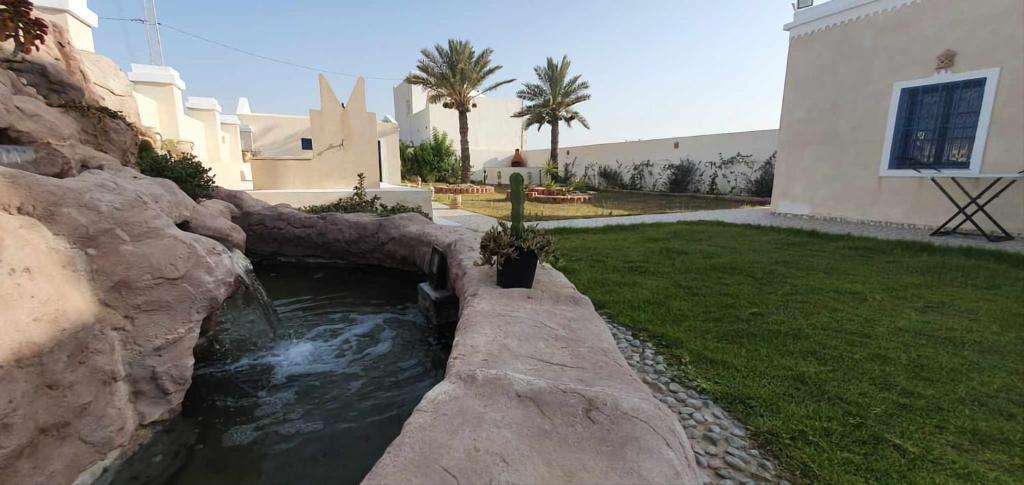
x=734, y=462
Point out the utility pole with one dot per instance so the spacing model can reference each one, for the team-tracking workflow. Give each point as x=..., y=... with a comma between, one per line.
x=156, y=46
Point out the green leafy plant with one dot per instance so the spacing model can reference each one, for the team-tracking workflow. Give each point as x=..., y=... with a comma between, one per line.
x=185, y=170
x=760, y=185
x=611, y=177
x=454, y=75
x=19, y=26
x=96, y=112
x=552, y=173
x=360, y=202
x=638, y=175
x=506, y=241
x=577, y=184
x=683, y=177
x=433, y=160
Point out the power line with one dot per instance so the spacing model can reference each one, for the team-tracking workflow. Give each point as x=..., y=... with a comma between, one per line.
x=250, y=53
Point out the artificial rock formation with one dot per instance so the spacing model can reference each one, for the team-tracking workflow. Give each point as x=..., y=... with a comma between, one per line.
x=106, y=275
x=535, y=390
x=79, y=134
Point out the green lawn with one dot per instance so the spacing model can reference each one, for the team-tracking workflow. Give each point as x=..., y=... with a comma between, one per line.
x=853, y=360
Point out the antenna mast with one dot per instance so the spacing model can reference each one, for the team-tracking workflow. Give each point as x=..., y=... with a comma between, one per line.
x=156, y=46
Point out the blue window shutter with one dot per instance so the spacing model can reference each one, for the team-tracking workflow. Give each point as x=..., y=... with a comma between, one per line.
x=307, y=143
x=936, y=125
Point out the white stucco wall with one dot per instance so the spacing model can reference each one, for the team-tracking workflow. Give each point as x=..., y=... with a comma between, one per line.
x=493, y=132
x=760, y=144
x=278, y=136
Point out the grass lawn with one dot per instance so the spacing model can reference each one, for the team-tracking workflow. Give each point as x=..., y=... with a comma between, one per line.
x=605, y=204
x=852, y=360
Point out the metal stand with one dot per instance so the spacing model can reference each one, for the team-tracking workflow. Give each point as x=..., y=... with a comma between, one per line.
x=976, y=201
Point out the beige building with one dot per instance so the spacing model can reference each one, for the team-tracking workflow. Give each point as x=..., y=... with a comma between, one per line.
x=881, y=93
x=191, y=124
x=298, y=160
x=326, y=150
x=493, y=133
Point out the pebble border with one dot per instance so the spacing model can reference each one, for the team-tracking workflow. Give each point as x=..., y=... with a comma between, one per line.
x=719, y=441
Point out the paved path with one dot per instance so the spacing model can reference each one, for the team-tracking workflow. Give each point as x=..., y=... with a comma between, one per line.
x=760, y=216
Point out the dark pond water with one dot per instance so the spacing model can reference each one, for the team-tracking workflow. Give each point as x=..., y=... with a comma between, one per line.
x=319, y=401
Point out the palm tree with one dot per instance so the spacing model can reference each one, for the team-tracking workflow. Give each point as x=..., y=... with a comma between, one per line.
x=453, y=76
x=551, y=100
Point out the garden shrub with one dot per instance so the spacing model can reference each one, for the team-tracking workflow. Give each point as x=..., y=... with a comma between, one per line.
x=186, y=171
x=611, y=178
x=18, y=25
x=359, y=202
x=760, y=185
x=683, y=177
x=434, y=160
x=638, y=176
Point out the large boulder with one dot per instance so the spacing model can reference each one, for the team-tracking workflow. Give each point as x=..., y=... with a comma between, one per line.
x=104, y=291
x=535, y=389
x=106, y=275
x=98, y=117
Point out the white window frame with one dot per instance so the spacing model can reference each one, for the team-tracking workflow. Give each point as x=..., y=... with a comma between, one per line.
x=984, y=118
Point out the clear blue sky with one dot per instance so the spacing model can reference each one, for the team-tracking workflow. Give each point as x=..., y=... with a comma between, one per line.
x=657, y=68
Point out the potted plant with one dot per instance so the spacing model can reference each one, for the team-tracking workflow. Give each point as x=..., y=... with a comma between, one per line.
x=515, y=248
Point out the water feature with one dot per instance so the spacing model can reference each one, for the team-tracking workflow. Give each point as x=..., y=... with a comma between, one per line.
x=317, y=402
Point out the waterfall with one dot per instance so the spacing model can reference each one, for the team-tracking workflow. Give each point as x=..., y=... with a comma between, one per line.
x=247, y=320
x=252, y=286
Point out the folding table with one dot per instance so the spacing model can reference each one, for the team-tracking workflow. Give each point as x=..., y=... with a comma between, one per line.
x=975, y=204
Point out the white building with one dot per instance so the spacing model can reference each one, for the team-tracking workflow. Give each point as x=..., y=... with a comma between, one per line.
x=298, y=160
x=493, y=133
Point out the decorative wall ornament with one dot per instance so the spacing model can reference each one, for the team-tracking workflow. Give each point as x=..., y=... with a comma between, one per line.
x=945, y=59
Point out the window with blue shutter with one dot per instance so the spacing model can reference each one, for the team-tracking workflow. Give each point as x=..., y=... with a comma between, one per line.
x=307, y=143
x=936, y=125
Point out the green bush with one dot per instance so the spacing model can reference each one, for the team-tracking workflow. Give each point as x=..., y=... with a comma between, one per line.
x=611, y=178
x=683, y=177
x=760, y=185
x=186, y=170
x=433, y=160
x=361, y=203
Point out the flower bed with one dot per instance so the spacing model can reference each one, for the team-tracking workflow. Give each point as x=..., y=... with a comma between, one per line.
x=464, y=189
x=558, y=195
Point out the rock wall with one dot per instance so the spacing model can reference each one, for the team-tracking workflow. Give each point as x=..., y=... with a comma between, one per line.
x=106, y=275
x=535, y=390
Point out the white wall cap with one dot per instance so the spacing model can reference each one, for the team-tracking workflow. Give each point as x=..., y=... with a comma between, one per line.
x=230, y=120
x=243, y=107
x=77, y=8
x=195, y=102
x=147, y=73
x=837, y=12
x=388, y=119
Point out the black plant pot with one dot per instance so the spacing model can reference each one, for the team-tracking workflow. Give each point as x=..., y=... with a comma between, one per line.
x=518, y=272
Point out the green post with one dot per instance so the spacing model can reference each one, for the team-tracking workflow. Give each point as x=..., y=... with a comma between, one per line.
x=516, y=194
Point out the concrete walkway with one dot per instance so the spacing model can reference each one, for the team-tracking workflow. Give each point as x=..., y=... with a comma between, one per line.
x=760, y=216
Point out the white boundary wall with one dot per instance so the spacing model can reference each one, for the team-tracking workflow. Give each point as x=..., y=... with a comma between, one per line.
x=760, y=144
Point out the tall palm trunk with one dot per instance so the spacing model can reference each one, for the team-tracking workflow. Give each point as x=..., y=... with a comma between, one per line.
x=554, y=142
x=464, y=144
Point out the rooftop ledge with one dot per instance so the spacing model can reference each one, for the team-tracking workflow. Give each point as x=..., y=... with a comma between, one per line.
x=836, y=12
x=76, y=8
x=147, y=73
